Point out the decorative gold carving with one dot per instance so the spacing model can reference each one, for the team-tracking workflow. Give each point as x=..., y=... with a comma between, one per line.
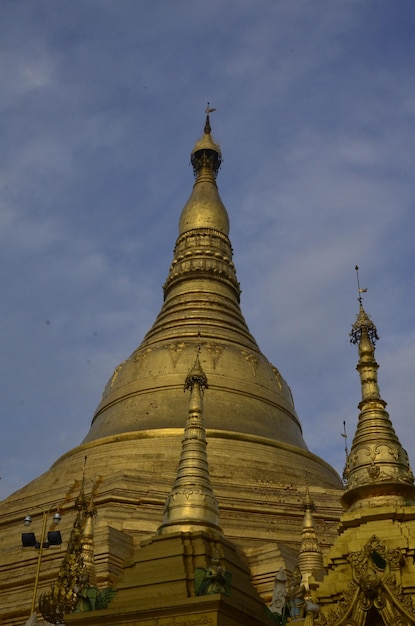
x=189, y=493
x=175, y=351
x=374, y=473
x=116, y=372
x=203, y=251
x=215, y=352
x=201, y=620
x=400, y=621
x=251, y=359
x=362, y=559
x=141, y=355
x=277, y=377
x=342, y=608
x=373, y=587
x=404, y=600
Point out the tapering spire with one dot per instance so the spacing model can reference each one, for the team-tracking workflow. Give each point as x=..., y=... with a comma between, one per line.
x=310, y=557
x=202, y=261
x=191, y=503
x=205, y=209
x=377, y=466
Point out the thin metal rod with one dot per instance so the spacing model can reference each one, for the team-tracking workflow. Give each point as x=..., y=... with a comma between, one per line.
x=39, y=560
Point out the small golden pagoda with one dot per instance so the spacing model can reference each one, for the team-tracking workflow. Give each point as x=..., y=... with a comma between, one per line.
x=310, y=556
x=370, y=570
x=257, y=455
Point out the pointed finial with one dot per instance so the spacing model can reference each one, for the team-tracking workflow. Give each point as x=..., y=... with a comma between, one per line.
x=308, y=504
x=363, y=321
x=206, y=153
x=196, y=374
x=359, y=288
x=208, y=110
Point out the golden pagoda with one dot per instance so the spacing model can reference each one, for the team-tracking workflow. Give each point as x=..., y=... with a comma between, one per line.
x=370, y=569
x=257, y=455
x=310, y=556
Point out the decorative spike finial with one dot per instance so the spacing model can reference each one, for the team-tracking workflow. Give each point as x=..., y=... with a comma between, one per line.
x=308, y=504
x=196, y=374
x=363, y=321
x=208, y=110
x=359, y=288
x=206, y=156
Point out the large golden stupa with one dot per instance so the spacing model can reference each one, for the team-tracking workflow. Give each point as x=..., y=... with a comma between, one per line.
x=259, y=463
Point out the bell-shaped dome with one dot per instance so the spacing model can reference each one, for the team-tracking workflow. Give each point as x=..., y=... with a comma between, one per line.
x=247, y=394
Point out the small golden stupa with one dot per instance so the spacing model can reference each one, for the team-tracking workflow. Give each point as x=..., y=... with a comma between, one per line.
x=370, y=570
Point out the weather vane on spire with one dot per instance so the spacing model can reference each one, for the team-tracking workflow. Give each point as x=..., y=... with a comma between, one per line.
x=208, y=109
x=359, y=288
x=363, y=320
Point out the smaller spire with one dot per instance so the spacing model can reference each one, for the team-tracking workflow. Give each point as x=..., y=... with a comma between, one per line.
x=191, y=504
x=377, y=466
x=310, y=557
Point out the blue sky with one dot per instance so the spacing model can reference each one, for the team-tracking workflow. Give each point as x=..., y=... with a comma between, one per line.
x=101, y=103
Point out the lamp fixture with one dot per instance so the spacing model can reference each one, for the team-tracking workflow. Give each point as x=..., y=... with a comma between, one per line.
x=54, y=538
